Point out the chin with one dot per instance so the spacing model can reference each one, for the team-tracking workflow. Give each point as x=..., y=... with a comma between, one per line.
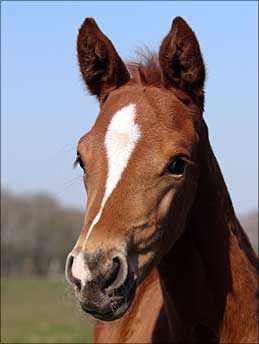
x=116, y=304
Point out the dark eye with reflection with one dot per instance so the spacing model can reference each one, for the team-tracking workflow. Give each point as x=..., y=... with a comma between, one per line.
x=177, y=166
x=79, y=162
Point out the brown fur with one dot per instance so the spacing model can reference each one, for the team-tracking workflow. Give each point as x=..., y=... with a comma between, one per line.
x=197, y=274
x=100, y=65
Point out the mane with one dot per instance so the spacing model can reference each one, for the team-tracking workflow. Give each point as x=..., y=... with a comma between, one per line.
x=145, y=70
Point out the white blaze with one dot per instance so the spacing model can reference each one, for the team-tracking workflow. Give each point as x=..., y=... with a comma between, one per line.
x=79, y=269
x=120, y=140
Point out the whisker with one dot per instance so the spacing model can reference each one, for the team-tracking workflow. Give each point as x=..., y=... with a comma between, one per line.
x=64, y=149
x=68, y=185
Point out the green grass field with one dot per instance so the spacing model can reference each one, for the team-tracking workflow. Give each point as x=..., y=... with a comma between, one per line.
x=41, y=311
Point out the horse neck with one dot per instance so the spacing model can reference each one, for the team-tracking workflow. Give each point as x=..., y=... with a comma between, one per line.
x=209, y=277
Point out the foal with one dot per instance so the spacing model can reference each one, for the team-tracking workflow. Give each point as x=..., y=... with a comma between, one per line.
x=161, y=249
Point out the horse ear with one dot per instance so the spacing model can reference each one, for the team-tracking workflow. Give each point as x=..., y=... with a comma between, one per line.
x=181, y=61
x=100, y=65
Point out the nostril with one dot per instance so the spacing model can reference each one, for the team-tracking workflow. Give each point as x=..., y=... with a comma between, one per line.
x=78, y=283
x=116, y=260
x=69, y=275
x=114, y=272
x=68, y=268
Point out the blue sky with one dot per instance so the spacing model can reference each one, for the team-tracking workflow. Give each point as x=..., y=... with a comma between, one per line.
x=45, y=108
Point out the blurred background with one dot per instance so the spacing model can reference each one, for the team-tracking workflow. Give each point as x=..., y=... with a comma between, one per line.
x=45, y=110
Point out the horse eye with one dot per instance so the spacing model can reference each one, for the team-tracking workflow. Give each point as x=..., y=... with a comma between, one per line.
x=177, y=166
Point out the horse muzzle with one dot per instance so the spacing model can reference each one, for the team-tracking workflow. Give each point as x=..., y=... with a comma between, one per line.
x=104, y=284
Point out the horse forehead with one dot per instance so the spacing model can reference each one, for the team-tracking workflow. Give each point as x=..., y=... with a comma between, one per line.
x=156, y=115
x=157, y=110
x=113, y=127
x=119, y=122
x=121, y=137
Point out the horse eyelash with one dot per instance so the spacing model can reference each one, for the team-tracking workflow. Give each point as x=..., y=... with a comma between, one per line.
x=80, y=162
x=187, y=159
x=76, y=162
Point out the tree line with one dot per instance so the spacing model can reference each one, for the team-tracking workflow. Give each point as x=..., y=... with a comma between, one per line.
x=36, y=234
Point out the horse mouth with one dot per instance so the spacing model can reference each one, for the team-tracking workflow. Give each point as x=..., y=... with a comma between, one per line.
x=119, y=301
